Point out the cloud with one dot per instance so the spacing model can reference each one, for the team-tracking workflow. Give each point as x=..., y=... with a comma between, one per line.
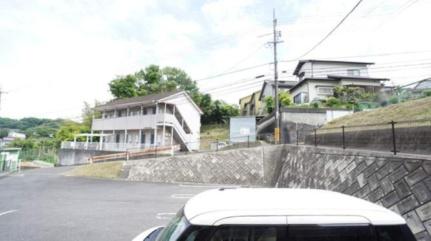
x=57, y=54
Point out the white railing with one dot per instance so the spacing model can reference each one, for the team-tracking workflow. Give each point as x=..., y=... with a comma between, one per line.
x=127, y=122
x=179, y=129
x=106, y=146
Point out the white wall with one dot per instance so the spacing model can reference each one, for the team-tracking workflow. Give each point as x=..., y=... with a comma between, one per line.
x=322, y=70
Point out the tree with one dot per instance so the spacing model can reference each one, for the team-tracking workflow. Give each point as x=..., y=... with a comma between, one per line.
x=88, y=113
x=284, y=99
x=124, y=87
x=4, y=133
x=269, y=104
x=154, y=79
x=69, y=129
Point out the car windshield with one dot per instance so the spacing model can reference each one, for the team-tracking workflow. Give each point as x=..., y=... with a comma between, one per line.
x=175, y=228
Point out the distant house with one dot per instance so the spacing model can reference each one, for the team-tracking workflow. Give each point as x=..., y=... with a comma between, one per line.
x=268, y=88
x=251, y=105
x=12, y=135
x=164, y=119
x=254, y=104
x=317, y=79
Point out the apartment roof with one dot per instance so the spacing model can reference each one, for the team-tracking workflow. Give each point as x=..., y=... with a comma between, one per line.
x=302, y=62
x=140, y=100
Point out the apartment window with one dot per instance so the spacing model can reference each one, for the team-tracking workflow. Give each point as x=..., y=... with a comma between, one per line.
x=143, y=138
x=325, y=90
x=353, y=72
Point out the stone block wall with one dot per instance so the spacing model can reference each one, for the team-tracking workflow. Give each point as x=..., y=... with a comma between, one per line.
x=400, y=183
x=240, y=166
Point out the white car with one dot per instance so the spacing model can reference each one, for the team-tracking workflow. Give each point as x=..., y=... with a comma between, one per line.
x=265, y=214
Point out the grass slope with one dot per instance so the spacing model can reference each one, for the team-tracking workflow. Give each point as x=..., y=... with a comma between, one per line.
x=110, y=170
x=211, y=133
x=411, y=110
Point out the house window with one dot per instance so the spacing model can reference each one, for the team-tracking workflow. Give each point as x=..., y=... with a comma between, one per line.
x=145, y=111
x=300, y=98
x=353, y=72
x=154, y=110
x=152, y=138
x=325, y=90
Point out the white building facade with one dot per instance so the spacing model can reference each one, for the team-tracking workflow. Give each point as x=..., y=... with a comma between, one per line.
x=317, y=79
x=158, y=120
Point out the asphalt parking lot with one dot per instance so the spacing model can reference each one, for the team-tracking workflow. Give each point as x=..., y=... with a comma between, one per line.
x=43, y=205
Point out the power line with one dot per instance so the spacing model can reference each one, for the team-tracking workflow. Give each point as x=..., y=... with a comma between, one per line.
x=332, y=31
x=234, y=71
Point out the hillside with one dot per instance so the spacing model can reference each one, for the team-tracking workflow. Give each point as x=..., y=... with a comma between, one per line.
x=32, y=126
x=411, y=110
x=211, y=133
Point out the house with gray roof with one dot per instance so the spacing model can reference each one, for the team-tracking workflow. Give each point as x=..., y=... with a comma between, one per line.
x=317, y=79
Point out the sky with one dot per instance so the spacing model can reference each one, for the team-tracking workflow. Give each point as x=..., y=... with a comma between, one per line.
x=56, y=55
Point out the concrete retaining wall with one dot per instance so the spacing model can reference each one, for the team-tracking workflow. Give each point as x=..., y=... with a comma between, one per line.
x=68, y=157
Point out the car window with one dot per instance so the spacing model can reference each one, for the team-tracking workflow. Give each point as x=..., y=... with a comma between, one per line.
x=394, y=233
x=330, y=233
x=175, y=228
x=359, y=232
x=241, y=233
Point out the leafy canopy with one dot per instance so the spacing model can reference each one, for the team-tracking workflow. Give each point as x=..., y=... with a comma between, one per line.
x=154, y=79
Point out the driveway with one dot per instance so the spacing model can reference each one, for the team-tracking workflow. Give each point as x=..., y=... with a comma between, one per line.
x=43, y=205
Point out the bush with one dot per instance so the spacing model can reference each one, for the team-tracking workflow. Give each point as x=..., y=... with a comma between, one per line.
x=333, y=102
x=427, y=93
x=394, y=100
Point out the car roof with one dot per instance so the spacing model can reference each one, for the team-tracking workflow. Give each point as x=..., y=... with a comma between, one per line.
x=209, y=207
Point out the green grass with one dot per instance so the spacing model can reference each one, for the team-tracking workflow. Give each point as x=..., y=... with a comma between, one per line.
x=109, y=170
x=407, y=111
x=211, y=133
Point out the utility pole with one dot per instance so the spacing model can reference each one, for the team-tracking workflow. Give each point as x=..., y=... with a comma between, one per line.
x=276, y=35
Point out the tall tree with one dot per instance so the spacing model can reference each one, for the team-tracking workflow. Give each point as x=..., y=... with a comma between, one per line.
x=154, y=79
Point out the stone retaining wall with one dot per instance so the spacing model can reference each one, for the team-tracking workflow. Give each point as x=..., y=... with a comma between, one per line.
x=401, y=183
x=240, y=166
x=408, y=140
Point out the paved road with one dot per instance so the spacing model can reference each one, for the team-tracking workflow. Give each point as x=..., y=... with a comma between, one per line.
x=43, y=205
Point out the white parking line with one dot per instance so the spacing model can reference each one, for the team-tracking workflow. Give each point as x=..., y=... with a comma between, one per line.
x=7, y=212
x=212, y=186
x=182, y=196
x=165, y=215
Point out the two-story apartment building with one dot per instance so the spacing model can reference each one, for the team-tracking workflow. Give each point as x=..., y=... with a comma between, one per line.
x=317, y=78
x=164, y=119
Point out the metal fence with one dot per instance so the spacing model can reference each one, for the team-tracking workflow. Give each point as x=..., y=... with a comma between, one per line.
x=413, y=136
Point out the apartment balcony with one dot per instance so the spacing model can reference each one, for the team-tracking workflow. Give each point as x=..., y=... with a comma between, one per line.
x=131, y=122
